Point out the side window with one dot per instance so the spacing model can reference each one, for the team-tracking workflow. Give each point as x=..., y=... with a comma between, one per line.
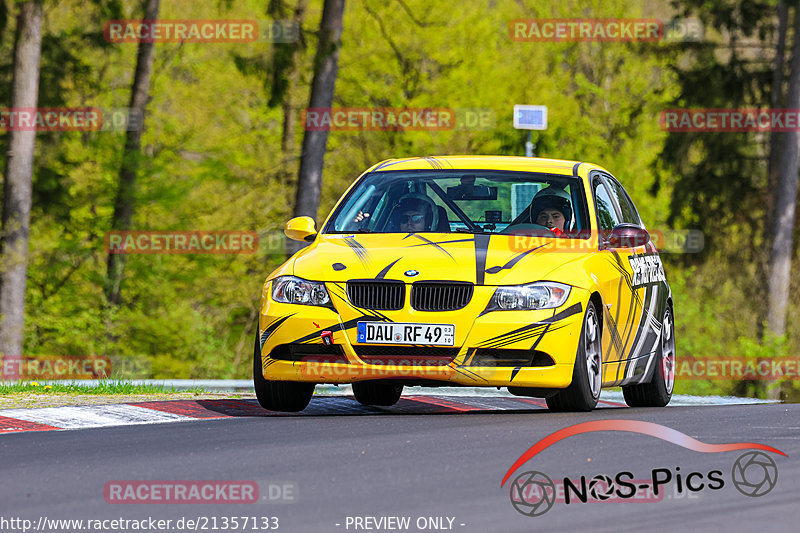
x=606, y=215
x=629, y=213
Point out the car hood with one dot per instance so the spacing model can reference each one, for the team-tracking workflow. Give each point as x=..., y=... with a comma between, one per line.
x=479, y=259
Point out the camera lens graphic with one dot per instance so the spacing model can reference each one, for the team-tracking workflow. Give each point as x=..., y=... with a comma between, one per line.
x=754, y=474
x=532, y=493
x=601, y=487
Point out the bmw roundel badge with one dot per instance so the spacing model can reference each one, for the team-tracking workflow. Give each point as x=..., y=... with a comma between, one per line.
x=411, y=273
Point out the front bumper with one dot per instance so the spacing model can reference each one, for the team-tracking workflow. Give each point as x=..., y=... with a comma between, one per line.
x=490, y=349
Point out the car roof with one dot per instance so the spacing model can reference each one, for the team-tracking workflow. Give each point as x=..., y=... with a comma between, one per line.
x=484, y=162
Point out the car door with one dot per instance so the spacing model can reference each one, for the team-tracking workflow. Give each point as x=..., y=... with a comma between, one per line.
x=613, y=282
x=648, y=288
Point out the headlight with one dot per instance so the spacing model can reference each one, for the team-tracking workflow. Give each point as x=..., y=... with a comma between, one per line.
x=292, y=290
x=539, y=295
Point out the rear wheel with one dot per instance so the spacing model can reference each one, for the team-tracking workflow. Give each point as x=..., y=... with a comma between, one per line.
x=372, y=393
x=587, y=376
x=288, y=396
x=658, y=391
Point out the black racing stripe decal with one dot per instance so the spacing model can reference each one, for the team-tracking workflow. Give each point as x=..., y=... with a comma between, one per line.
x=642, y=317
x=547, y=329
x=513, y=261
x=270, y=329
x=470, y=356
x=468, y=373
x=481, y=250
x=540, y=337
x=575, y=169
x=624, y=352
x=613, y=331
x=386, y=269
x=389, y=163
x=515, y=372
x=359, y=250
x=652, y=327
x=436, y=165
x=568, y=312
x=490, y=343
x=519, y=338
x=428, y=242
x=617, y=263
x=630, y=328
x=635, y=302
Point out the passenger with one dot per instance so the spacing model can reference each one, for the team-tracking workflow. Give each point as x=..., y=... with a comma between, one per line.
x=551, y=208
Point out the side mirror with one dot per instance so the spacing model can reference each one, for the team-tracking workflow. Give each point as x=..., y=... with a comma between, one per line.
x=627, y=236
x=301, y=229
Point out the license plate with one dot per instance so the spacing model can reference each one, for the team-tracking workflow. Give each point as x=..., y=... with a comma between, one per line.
x=399, y=333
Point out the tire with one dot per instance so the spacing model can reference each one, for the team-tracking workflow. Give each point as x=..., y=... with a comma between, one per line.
x=287, y=396
x=587, y=375
x=372, y=393
x=658, y=391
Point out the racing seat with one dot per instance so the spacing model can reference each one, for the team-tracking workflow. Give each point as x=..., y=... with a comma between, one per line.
x=442, y=225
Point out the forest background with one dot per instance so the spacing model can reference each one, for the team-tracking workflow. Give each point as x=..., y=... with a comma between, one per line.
x=218, y=154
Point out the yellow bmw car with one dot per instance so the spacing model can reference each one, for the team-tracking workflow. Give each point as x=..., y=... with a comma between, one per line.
x=533, y=274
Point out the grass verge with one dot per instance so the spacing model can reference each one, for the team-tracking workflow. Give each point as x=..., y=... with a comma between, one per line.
x=37, y=394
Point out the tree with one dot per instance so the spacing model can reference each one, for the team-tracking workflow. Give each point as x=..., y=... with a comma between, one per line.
x=286, y=74
x=780, y=258
x=124, y=203
x=18, y=183
x=312, y=158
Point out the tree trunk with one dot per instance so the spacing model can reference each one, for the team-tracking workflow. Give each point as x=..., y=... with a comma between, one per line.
x=124, y=203
x=776, y=137
x=326, y=64
x=289, y=109
x=780, y=259
x=18, y=183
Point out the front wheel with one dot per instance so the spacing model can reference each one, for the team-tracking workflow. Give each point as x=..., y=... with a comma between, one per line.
x=587, y=376
x=371, y=393
x=279, y=395
x=658, y=391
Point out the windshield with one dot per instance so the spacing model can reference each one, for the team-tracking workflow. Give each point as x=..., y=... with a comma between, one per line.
x=463, y=202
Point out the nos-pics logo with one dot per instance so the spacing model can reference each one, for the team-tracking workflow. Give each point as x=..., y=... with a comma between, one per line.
x=533, y=493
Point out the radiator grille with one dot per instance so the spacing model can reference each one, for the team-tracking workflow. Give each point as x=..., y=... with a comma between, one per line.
x=376, y=294
x=441, y=296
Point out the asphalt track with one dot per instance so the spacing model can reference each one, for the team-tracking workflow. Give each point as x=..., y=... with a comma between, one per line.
x=409, y=463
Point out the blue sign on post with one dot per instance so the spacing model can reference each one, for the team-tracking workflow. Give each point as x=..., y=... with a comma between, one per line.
x=530, y=117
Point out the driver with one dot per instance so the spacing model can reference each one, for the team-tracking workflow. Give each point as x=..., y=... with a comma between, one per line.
x=415, y=213
x=551, y=208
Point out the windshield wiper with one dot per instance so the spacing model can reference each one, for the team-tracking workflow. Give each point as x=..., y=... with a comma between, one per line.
x=473, y=231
